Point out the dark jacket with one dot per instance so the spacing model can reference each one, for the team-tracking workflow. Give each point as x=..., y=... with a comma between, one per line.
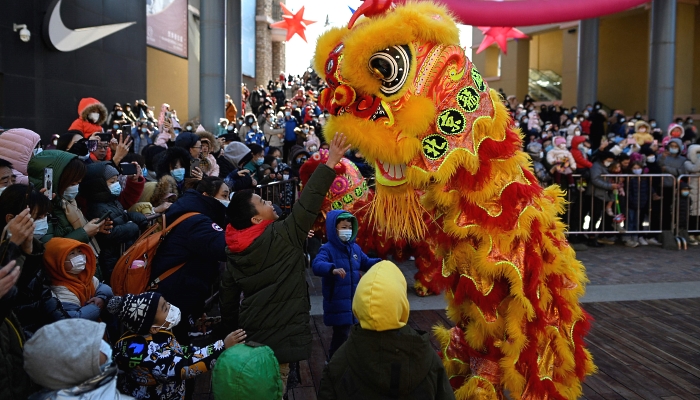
x=338, y=292
x=199, y=243
x=275, y=310
x=127, y=226
x=638, y=193
x=394, y=364
x=599, y=187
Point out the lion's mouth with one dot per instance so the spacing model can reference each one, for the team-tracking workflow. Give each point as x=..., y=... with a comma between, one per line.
x=389, y=174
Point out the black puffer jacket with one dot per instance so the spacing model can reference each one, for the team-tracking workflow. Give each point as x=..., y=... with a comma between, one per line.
x=127, y=226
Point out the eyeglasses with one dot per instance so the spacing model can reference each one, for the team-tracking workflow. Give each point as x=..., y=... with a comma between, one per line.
x=102, y=147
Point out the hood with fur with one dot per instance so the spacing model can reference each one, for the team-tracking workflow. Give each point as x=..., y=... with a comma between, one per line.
x=215, y=145
x=165, y=188
x=88, y=105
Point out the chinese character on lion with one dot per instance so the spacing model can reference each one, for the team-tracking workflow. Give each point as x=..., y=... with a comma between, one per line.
x=450, y=171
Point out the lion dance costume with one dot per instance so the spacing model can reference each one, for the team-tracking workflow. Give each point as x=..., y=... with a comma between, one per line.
x=450, y=171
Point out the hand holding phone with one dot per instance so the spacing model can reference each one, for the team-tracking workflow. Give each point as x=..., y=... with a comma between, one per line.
x=127, y=168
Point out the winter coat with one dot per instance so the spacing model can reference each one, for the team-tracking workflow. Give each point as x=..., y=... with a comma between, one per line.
x=599, y=186
x=231, y=112
x=673, y=165
x=141, y=140
x=225, y=166
x=103, y=387
x=199, y=243
x=57, y=160
x=571, y=134
x=289, y=126
x=692, y=166
x=638, y=193
x=338, y=292
x=271, y=135
x=156, y=366
x=86, y=106
x=580, y=159
x=71, y=308
x=256, y=137
x=269, y=267
x=17, y=146
x=127, y=226
x=365, y=367
x=560, y=156
x=15, y=384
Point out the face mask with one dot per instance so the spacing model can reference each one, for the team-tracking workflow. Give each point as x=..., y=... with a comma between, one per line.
x=651, y=159
x=178, y=174
x=70, y=193
x=326, y=115
x=224, y=202
x=685, y=193
x=259, y=161
x=622, y=120
x=119, y=113
x=690, y=122
x=229, y=128
x=574, y=111
x=173, y=318
x=144, y=130
x=525, y=120
x=301, y=161
x=673, y=150
x=586, y=114
x=548, y=148
x=344, y=234
x=78, y=262
x=287, y=113
x=653, y=124
x=189, y=127
x=41, y=226
x=255, y=127
x=93, y=117
x=285, y=177
x=115, y=188
x=177, y=131
x=582, y=148
x=313, y=149
x=607, y=164
x=305, y=130
x=55, y=142
x=589, y=151
x=250, y=122
x=38, y=150
x=637, y=171
x=577, y=133
x=562, y=146
x=115, y=127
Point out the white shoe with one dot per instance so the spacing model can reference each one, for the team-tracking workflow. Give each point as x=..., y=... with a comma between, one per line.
x=631, y=243
x=643, y=242
x=653, y=241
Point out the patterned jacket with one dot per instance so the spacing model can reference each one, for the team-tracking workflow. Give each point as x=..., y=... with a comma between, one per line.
x=156, y=366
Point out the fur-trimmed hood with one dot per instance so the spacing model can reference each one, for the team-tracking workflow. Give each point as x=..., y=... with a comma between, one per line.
x=165, y=187
x=88, y=105
x=215, y=145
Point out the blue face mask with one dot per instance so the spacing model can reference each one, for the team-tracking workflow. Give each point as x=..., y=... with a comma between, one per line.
x=685, y=193
x=115, y=188
x=115, y=127
x=673, y=150
x=548, y=148
x=259, y=161
x=70, y=193
x=178, y=174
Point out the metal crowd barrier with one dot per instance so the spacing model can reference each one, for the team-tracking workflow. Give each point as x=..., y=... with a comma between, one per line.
x=282, y=193
x=647, y=206
x=688, y=208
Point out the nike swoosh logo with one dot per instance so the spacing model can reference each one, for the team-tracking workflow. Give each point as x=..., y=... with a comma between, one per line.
x=64, y=39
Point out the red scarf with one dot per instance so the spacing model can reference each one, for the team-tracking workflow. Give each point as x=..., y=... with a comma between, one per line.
x=237, y=241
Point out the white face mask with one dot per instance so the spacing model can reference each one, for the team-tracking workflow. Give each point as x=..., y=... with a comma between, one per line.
x=173, y=318
x=344, y=234
x=285, y=177
x=93, y=117
x=562, y=146
x=70, y=193
x=41, y=226
x=637, y=171
x=78, y=262
x=651, y=159
x=607, y=163
x=224, y=202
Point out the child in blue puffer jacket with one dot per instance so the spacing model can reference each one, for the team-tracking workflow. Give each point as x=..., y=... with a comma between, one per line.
x=339, y=262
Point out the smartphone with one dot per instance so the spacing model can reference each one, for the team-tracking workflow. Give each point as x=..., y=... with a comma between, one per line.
x=128, y=168
x=48, y=182
x=195, y=164
x=105, y=137
x=126, y=129
x=104, y=217
x=168, y=114
x=92, y=145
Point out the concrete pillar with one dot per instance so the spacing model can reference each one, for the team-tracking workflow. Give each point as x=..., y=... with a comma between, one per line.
x=569, y=70
x=233, y=51
x=278, y=59
x=662, y=57
x=685, y=46
x=263, y=42
x=587, y=90
x=515, y=68
x=211, y=76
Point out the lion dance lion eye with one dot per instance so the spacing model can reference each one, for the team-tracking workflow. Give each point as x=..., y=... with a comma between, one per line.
x=391, y=66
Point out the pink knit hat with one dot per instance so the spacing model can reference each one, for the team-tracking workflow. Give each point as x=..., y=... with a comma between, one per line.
x=559, y=140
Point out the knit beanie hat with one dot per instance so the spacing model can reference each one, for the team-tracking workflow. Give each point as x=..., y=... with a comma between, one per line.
x=136, y=311
x=186, y=140
x=559, y=140
x=65, y=353
x=110, y=172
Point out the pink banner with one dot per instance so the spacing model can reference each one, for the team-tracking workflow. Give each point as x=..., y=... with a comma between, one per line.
x=533, y=12
x=167, y=26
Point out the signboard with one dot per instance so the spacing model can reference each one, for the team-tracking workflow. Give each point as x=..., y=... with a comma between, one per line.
x=248, y=38
x=167, y=26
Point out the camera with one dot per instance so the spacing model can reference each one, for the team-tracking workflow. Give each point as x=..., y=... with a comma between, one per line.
x=24, y=34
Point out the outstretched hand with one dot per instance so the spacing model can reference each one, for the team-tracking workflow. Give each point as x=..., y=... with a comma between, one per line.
x=337, y=149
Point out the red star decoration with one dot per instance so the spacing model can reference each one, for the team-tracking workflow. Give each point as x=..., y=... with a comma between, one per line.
x=293, y=23
x=500, y=35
